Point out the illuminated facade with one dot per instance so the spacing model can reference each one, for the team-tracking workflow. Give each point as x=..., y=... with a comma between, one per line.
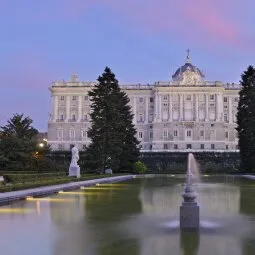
x=186, y=113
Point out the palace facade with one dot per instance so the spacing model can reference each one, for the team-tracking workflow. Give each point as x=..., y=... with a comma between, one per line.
x=186, y=113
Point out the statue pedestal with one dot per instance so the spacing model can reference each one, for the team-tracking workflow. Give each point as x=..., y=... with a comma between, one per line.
x=74, y=171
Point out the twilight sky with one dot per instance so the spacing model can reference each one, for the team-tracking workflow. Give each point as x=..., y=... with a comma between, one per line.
x=143, y=41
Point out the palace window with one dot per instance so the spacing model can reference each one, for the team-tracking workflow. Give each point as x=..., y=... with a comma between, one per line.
x=73, y=117
x=164, y=97
x=165, y=146
x=151, y=134
x=151, y=99
x=212, y=97
x=140, y=134
x=212, y=146
x=165, y=133
x=74, y=98
x=212, y=134
x=188, y=97
x=175, y=133
x=225, y=99
x=72, y=133
x=225, y=117
x=86, y=98
x=60, y=134
x=62, y=98
x=141, y=118
x=61, y=117
x=84, y=133
x=226, y=135
x=226, y=147
x=140, y=99
x=176, y=146
x=188, y=146
x=202, y=133
x=189, y=133
x=202, y=146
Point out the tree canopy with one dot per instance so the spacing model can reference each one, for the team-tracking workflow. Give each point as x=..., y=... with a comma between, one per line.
x=246, y=120
x=112, y=134
x=18, y=142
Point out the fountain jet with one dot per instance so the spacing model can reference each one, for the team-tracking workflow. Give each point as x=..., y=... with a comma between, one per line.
x=189, y=210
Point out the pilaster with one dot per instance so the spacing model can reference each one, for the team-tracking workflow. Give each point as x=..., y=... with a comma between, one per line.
x=206, y=107
x=67, y=108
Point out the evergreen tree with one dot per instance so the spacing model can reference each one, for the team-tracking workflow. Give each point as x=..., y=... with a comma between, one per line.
x=112, y=134
x=246, y=121
x=18, y=143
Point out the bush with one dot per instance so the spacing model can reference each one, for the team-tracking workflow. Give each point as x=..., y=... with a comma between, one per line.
x=140, y=167
x=48, y=182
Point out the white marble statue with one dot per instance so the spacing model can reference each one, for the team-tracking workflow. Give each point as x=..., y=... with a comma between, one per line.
x=75, y=157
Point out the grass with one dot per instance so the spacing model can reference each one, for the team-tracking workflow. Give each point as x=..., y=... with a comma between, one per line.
x=40, y=182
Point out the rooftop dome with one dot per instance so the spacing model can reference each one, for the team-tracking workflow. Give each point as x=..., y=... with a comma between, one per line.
x=190, y=71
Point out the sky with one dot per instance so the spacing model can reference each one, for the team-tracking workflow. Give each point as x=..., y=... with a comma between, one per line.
x=142, y=41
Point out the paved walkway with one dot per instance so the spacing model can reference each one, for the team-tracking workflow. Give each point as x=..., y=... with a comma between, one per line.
x=42, y=191
x=252, y=177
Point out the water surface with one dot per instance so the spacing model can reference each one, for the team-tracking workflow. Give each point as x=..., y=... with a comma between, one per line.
x=133, y=219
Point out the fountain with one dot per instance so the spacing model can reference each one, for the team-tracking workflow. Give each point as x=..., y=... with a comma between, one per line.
x=189, y=210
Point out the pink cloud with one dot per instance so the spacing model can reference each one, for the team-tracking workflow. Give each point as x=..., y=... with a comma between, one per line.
x=211, y=20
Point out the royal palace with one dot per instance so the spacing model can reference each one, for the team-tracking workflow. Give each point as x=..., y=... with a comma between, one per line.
x=185, y=113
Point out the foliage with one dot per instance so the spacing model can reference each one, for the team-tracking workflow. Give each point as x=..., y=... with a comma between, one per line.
x=112, y=134
x=42, y=181
x=176, y=162
x=246, y=120
x=166, y=162
x=140, y=167
x=19, y=148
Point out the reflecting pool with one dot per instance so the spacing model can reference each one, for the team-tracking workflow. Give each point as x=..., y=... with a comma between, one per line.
x=133, y=217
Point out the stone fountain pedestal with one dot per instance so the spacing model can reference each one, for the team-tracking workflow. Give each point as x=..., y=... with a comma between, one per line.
x=189, y=210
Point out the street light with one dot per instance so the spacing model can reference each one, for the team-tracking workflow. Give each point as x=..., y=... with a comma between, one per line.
x=41, y=145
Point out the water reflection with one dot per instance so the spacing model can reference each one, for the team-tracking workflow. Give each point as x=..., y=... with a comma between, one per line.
x=127, y=221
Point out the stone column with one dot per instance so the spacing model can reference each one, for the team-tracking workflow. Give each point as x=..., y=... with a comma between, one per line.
x=197, y=110
x=170, y=108
x=80, y=108
x=67, y=108
x=159, y=109
x=230, y=114
x=206, y=107
x=55, y=108
x=146, y=109
x=134, y=110
x=181, y=107
x=219, y=107
x=155, y=107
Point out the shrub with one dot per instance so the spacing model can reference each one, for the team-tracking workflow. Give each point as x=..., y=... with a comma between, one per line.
x=140, y=167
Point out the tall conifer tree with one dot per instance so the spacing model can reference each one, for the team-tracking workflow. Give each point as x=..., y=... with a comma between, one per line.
x=112, y=134
x=246, y=121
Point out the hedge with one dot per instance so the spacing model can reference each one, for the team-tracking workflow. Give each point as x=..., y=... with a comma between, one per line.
x=49, y=182
x=170, y=162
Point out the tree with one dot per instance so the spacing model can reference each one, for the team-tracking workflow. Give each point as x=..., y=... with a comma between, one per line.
x=112, y=134
x=18, y=142
x=246, y=121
